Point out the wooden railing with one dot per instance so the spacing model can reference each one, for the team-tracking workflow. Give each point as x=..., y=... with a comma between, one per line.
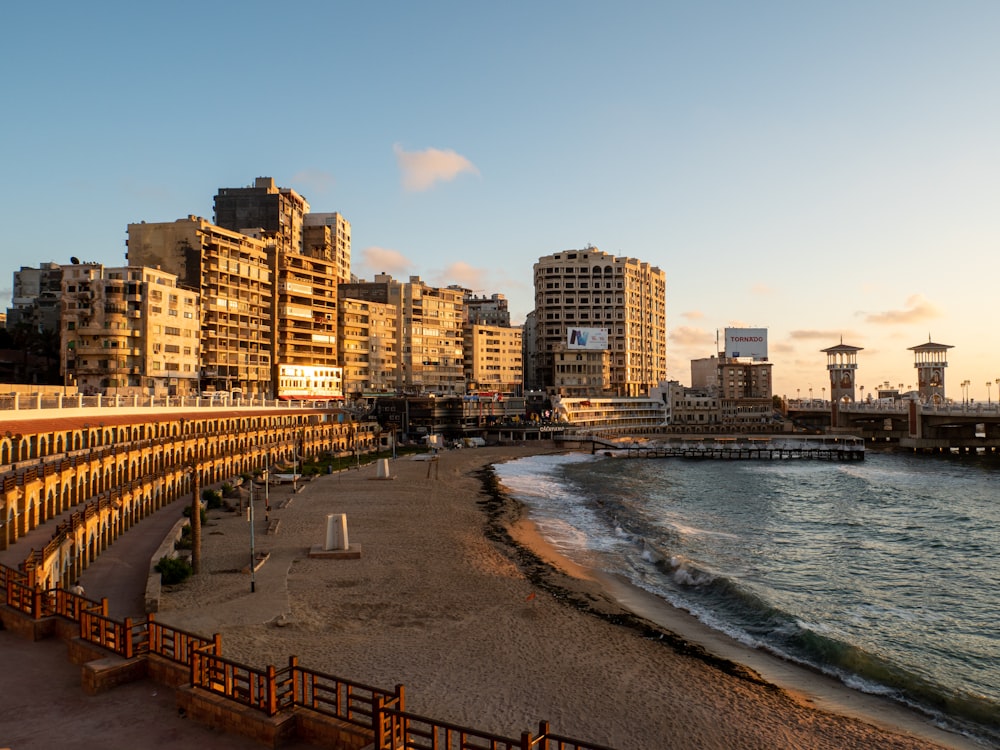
x=342, y=699
x=177, y=645
x=269, y=690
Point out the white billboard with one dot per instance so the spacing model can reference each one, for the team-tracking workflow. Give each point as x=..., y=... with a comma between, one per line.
x=747, y=343
x=587, y=338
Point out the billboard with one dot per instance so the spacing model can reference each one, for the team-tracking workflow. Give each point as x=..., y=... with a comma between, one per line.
x=587, y=338
x=747, y=342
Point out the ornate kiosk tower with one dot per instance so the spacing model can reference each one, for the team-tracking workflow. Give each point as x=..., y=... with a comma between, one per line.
x=930, y=359
x=841, y=361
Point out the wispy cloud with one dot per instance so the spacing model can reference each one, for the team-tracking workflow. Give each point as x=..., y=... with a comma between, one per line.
x=762, y=289
x=692, y=315
x=421, y=169
x=313, y=181
x=818, y=335
x=464, y=275
x=914, y=310
x=384, y=260
x=689, y=336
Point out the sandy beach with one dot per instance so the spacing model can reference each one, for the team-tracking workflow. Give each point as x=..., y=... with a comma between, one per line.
x=457, y=597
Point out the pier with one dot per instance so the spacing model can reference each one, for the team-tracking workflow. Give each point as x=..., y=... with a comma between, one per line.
x=732, y=448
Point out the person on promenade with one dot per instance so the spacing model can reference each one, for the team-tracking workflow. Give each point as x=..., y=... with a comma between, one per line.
x=76, y=588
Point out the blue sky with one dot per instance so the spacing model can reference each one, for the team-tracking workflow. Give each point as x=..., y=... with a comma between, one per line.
x=822, y=170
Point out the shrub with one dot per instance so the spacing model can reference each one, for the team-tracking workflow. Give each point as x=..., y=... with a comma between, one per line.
x=173, y=570
x=212, y=498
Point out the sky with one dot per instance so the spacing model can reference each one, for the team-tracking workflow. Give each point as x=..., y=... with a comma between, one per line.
x=827, y=171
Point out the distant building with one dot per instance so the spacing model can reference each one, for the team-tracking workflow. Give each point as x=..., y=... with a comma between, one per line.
x=705, y=372
x=328, y=236
x=487, y=311
x=231, y=272
x=592, y=290
x=578, y=373
x=36, y=296
x=278, y=212
x=128, y=331
x=697, y=407
x=369, y=345
x=493, y=359
x=430, y=358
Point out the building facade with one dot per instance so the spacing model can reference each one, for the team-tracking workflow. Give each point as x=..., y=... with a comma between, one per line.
x=328, y=236
x=591, y=289
x=493, y=359
x=278, y=212
x=128, y=331
x=489, y=311
x=369, y=346
x=231, y=272
x=429, y=321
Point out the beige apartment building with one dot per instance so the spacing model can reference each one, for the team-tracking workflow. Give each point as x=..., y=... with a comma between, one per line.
x=369, y=346
x=493, y=359
x=591, y=290
x=128, y=331
x=308, y=254
x=579, y=373
x=429, y=321
x=328, y=236
x=232, y=273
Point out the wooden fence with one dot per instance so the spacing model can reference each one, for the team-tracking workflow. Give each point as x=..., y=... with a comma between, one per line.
x=269, y=690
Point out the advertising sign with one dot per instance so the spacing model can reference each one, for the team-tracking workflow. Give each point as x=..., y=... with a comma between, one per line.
x=747, y=342
x=595, y=339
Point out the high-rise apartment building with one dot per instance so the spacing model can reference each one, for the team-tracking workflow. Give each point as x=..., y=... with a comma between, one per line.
x=231, y=272
x=369, y=346
x=279, y=212
x=328, y=236
x=128, y=331
x=430, y=357
x=493, y=359
x=308, y=254
x=588, y=289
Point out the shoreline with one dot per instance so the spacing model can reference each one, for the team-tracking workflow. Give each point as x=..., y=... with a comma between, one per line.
x=457, y=596
x=688, y=635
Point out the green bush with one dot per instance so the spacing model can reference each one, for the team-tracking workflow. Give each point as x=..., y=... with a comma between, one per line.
x=212, y=498
x=173, y=570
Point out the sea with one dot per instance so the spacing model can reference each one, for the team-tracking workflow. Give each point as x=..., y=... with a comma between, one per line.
x=884, y=573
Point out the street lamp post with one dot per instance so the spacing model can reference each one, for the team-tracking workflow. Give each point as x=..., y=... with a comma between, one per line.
x=253, y=556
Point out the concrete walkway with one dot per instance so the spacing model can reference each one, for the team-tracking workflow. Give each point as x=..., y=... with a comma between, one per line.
x=43, y=703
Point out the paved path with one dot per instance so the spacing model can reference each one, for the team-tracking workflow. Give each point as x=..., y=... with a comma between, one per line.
x=43, y=704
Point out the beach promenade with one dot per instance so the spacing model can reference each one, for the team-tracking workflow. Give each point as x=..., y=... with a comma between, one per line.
x=484, y=629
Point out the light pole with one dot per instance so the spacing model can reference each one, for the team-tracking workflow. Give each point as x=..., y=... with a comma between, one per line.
x=862, y=393
x=965, y=391
x=253, y=556
x=989, y=399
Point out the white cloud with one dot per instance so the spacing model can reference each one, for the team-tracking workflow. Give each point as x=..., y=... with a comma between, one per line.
x=421, y=169
x=915, y=309
x=383, y=260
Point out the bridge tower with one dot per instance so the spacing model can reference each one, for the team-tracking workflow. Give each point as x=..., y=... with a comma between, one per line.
x=841, y=361
x=930, y=359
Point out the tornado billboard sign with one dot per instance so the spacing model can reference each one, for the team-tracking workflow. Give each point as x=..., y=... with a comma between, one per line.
x=747, y=343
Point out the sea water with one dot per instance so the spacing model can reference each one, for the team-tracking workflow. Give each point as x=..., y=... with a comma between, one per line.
x=884, y=573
